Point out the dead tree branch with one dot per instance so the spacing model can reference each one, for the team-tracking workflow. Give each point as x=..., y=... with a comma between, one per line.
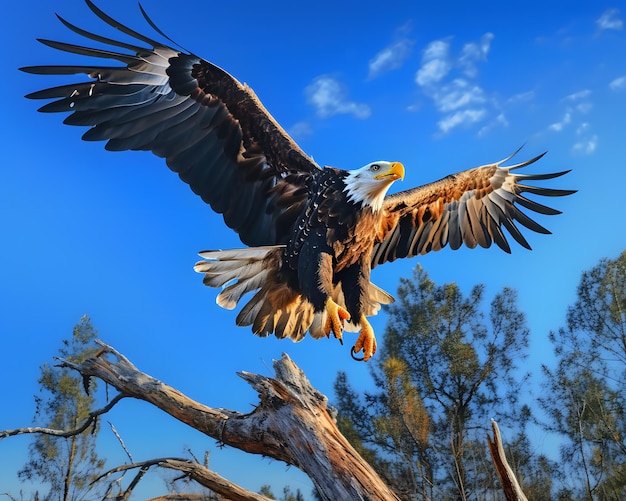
x=193, y=471
x=510, y=485
x=292, y=423
x=90, y=421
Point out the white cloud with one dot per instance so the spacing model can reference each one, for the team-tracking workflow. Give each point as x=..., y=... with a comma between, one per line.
x=522, y=97
x=584, y=107
x=300, y=129
x=582, y=128
x=457, y=94
x=581, y=105
x=610, y=20
x=618, y=84
x=462, y=117
x=500, y=120
x=474, y=52
x=576, y=105
x=390, y=58
x=435, y=63
x=437, y=49
x=330, y=98
x=450, y=81
x=587, y=145
x=558, y=126
x=432, y=72
x=577, y=96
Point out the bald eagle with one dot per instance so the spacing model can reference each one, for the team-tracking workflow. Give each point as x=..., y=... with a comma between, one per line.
x=312, y=234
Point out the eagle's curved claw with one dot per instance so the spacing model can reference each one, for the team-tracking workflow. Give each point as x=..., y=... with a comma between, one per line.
x=354, y=357
x=366, y=342
x=335, y=317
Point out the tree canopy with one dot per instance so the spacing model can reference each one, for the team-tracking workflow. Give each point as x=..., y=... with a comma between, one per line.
x=69, y=464
x=585, y=396
x=449, y=364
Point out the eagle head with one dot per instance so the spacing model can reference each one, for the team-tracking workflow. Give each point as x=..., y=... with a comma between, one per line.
x=369, y=184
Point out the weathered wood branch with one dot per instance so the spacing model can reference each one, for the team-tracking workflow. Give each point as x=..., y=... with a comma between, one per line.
x=292, y=423
x=91, y=420
x=510, y=485
x=194, y=471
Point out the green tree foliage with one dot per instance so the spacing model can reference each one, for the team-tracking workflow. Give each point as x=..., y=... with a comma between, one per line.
x=67, y=465
x=585, y=395
x=288, y=494
x=266, y=490
x=445, y=368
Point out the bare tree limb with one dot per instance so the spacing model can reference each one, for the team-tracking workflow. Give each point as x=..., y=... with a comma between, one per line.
x=292, y=423
x=194, y=471
x=510, y=485
x=93, y=416
x=212, y=480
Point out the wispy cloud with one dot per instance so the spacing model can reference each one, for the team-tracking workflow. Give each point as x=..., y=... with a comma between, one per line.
x=577, y=96
x=300, y=130
x=393, y=56
x=560, y=125
x=588, y=146
x=499, y=121
x=610, y=20
x=329, y=97
x=436, y=63
x=453, y=120
x=577, y=103
x=577, y=106
x=522, y=97
x=457, y=94
x=450, y=82
x=586, y=143
x=473, y=53
x=618, y=84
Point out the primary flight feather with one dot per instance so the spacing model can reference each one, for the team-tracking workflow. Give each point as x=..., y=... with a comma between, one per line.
x=313, y=234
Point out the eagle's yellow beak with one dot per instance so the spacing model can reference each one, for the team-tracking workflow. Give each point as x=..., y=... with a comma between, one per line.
x=396, y=171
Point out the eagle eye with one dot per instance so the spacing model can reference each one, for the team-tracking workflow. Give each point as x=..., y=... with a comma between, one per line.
x=375, y=167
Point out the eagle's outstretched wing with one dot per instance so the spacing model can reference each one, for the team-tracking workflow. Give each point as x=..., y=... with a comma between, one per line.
x=469, y=208
x=211, y=129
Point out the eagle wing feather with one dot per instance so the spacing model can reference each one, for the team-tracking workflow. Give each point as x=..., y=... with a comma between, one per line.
x=211, y=129
x=469, y=208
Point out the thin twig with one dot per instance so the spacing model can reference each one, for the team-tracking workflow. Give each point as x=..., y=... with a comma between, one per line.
x=119, y=438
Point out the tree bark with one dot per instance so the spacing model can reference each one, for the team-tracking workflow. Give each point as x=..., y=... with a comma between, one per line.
x=292, y=423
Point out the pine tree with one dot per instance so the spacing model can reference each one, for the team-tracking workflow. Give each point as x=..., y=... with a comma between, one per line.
x=445, y=368
x=67, y=465
x=585, y=396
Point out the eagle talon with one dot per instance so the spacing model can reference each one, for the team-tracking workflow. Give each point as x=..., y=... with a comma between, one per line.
x=354, y=357
x=335, y=318
x=366, y=342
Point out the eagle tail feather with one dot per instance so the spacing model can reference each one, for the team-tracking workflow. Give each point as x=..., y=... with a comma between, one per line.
x=275, y=308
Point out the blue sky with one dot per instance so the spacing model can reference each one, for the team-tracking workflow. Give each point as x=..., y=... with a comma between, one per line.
x=440, y=88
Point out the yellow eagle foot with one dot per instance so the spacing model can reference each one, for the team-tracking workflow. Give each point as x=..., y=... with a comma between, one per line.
x=335, y=317
x=366, y=342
